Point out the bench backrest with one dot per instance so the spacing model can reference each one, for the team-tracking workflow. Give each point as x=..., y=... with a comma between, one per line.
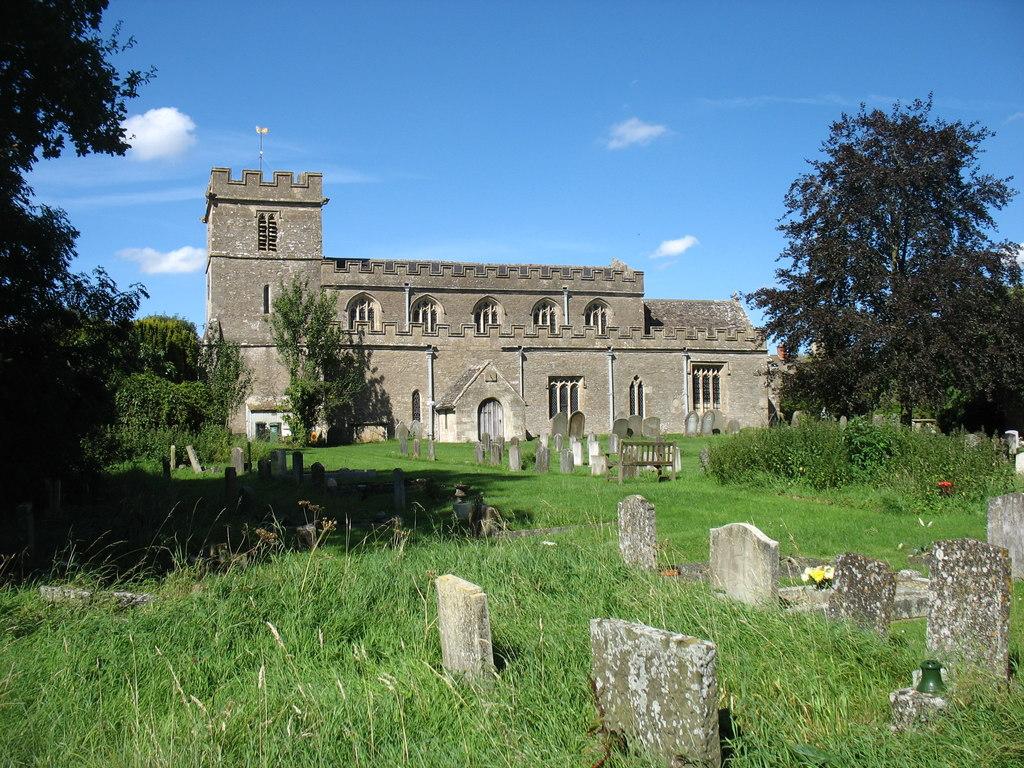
x=647, y=453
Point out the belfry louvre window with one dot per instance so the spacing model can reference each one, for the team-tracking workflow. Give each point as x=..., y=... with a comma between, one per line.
x=425, y=312
x=596, y=316
x=563, y=394
x=545, y=315
x=707, y=387
x=486, y=315
x=636, y=397
x=266, y=231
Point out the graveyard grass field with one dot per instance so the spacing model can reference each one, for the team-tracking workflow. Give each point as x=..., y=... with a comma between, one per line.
x=332, y=658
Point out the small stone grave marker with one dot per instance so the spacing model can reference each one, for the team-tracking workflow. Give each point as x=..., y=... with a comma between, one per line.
x=297, y=466
x=464, y=624
x=651, y=427
x=620, y=428
x=542, y=459
x=577, y=452
x=398, y=489
x=1006, y=528
x=565, y=464
x=416, y=448
x=317, y=475
x=744, y=564
x=174, y=457
x=560, y=424
x=692, y=424
x=515, y=463
x=707, y=423
x=263, y=468
x=479, y=453
x=636, y=532
x=599, y=465
x=613, y=443
x=577, y=424
x=864, y=592
x=238, y=460
x=431, y=451
x=636, y=426
x=558, y=443
x=194, y=460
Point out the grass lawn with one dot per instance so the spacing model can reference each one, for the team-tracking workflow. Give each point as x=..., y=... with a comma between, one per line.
x=332, y=658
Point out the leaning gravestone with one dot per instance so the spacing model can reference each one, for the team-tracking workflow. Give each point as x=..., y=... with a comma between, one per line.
x=560, y=424
x=636, y=532
x=732, y=427
x=636, y=426
x=707, y=423
x=565, y=463
x=194, y=460
x=969, y=605
x=796, y=418
x=658, y=689
x=620, y=428
x=864, y=592
x=651, y=427
x=745, y=564
x=542, y=460
x=577, y=425
x=1006, y=528
x=398, y=489
x=515, y=463
x=238, y=460
x=692, y=424
x=464, y=624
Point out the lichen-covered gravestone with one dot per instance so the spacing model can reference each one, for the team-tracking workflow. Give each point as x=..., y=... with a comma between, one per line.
x=479, y=453
x=636, y=426
x=969, y=605
x=431, y=451
x=732, y=427
x=658, y=689
x=704, y=458
x=864, y=592
x=599, y=465
x=238, y=460
x=692, y=424
x=651, y=427
x=497, y=451
x=194, y=460
x=613, y=443
x=707, y=423
x=465, y=627
x=515, y=463
x=637, y=543
x=565, y=463
x=542, y=460
x=577, y=424
x=620, y=428
x=745, y=564
x=543, y=440
x=560, y=424
x=1006, y=528
x=416, y=448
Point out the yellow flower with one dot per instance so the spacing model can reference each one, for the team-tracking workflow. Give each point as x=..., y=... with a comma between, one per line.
x=818, y=574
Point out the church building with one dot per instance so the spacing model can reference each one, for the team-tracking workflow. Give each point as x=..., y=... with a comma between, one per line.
x=465, y=348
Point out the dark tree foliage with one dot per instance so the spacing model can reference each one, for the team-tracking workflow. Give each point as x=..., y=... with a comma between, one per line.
x=168, y=347
x=62, y=335
x=894, y=288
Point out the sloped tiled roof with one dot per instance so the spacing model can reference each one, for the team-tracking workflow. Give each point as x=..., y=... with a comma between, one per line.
x=451, y=395
x=696, y=313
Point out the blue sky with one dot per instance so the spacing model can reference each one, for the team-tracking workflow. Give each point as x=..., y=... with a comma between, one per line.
x=661, y=134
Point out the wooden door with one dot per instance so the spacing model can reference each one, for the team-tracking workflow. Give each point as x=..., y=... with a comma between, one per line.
x=491, y=420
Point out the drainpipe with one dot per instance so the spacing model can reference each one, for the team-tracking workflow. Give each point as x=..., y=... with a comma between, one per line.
x=408, y=306
x=611, y=389
x=565, y=305
x=522, y=373
x=430, y=390
x=686, y=384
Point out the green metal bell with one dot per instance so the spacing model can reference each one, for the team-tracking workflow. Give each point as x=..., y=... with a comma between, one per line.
x=931, y=677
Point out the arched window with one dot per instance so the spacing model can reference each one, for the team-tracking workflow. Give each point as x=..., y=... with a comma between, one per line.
x=596, y=316
x=426, y=311
x=364, y=309
x=415, y=405
x=486, y=314
x=266, y=231
x=545, y=315
x=636, y=397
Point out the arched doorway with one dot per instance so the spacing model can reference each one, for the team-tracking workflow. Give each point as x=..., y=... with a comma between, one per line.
x=491, y=419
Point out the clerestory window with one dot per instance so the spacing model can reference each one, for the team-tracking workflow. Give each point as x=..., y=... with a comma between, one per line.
x=266, y=231
x=596, y=316
x=707, y=387
x=545, y=315
x=363, y=309
x=486, y=315
x=426, y=312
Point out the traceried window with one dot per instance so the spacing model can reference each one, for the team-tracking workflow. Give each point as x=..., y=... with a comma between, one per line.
x=563, y=394
x=415, y=405
x=426, y=312
x=266, y=231
x=545, y=315
x=707, y=387
x=636, y=397
x=486, y=314
x=596, y=316
x=363, y=309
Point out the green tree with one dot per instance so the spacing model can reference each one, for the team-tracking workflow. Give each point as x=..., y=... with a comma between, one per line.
x=62, y=335
x=895, y=288
x=326, y=366
x=168, y=347
x=227, y=377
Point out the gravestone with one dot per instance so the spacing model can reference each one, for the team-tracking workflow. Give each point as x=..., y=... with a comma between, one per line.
x=398, y=489
x=864, y=592
x=194, y=460
x=707, y=423
x=704, y=458
x=613, y=443
x=479, y=453
x=238, y=460
x=577, y=452
x=636, y=426
x=166, y=466
x=692, y=424
x=745, y=564
x=431, y=454
x=732, y=427
x=565, y=463
x=174, y=457
x=317, y=475
x=514, y=441
x=593, y=449
x=416, y=448
x=1012, y=437
x=796, y=418
x=402, y=433
x=620, y=428
x=486, y=440
x=543, y=439
x=515, y=463
x=496, y=453
x=657, y=689
x=637, y=544
x=842, y=422
x=577, y=424
x=464, y=624
x=651, y=427
x=230, y=485
x=718, y=426
x=263, y=468
x=542, y=460
x=1006, y=528
x=969, y=605
x=306, y=536
x=416, y=430
x=677, y=460
x=558, y=443
x=297, y=466
x=279, y=462
x=599, y=465
x=1020, y=464
x=560, y=424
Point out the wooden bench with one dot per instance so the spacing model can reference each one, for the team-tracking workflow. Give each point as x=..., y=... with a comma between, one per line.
x=634, y=454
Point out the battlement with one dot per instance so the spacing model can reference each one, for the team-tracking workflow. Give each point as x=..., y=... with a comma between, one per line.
x=442, y=273
x=283, y=187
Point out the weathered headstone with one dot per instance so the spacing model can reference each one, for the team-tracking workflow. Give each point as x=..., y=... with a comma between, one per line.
x=238, y=460
x=486, y=440
x=479, y=453
x=297, y=466
x=651, y=427
x=745, y=564
x=515, y=463
x=593, y=449
x=577, y=451
x=796, y=418
x=194, y=460
x=497, y=450
x=542, y=459
x=864, y=592
x=403, y=440
x=431, y=452
x=174, y=457
x=636, y=532
x=565, y=463
x=279, y=464
x=620, y=428
x=969, y=605
x=263, y=468
x=514, y=441
x=732, y=426
x=1020, y=464
x=1006, y=528
x=1012, y=437
x=306, y=536
x=398, y=489
x=166, y=467
x=416, y=429
x=577, y=424
x=317, y=475
x=704, y=458
x=560, y=424
x=707, y=423
x=599, y=465
x=543, y=439
x=558, y=443
x=230, y=485
x=465, y=627
x=402, y=431
x=718, y=425
x=677, y=460
x=636, y=426
x=842, y=422
x=658, y=689
x=416, y=448
x=692, y=424
x=613, y=443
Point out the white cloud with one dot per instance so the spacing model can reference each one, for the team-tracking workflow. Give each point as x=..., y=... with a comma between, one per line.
x=159, y=133
x=1020, y=255
x=633, y=131
x=1014, y=117
x=153, y=262
x=670, y=248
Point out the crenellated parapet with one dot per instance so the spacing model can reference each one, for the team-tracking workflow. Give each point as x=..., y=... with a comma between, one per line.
x=282, y=187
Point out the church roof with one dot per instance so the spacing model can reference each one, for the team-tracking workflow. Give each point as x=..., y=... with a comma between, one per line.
x=696, y=313
x=454, y=392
